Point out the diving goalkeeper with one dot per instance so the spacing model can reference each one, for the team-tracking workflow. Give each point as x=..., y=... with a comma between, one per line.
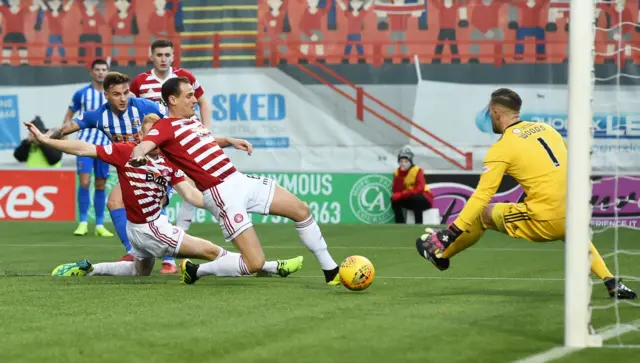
x=535, y=155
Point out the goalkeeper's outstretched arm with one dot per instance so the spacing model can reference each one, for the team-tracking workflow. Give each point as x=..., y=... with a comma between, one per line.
x=73, y=147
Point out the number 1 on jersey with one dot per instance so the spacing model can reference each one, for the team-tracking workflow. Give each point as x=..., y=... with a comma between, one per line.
x=553, y=158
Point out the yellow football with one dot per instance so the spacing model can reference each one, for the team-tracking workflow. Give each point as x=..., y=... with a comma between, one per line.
x=356, y=273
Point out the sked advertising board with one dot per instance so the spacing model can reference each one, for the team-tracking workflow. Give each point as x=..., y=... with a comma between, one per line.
x=37, y=195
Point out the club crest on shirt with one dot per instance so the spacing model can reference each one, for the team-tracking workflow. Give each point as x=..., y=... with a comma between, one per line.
x=136, y=122
x=201, y=131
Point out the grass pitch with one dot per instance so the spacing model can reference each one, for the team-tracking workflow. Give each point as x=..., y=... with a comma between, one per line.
x=500, y=301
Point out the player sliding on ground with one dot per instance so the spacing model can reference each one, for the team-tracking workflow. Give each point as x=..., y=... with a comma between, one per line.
x=535, y=155
x=228, y=194
x=151, y=235
x=120, y=120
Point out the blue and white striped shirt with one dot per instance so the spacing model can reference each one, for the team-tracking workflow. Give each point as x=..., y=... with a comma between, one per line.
x=88, y=99
x=121, y=127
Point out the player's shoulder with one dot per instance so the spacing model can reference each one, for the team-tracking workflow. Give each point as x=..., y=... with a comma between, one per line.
x=83, y=89
x=181, y=72
x=142, y=76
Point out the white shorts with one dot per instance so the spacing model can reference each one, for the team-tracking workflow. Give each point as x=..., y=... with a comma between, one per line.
x=233, y=200
x=155, y=239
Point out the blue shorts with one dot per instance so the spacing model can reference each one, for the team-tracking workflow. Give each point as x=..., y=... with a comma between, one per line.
x=86, y=165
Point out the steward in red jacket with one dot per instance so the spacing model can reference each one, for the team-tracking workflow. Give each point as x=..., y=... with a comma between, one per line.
x=410, y=190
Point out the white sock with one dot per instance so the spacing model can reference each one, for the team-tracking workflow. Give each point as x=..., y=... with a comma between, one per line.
x=231, y=265
x=311, y=236
x=270, y=266
x=185, y=216
x=122, y=268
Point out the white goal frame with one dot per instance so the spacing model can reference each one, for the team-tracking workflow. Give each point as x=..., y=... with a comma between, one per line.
x=577, y=316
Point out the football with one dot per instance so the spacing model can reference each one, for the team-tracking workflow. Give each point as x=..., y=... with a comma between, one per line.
x=356, y=273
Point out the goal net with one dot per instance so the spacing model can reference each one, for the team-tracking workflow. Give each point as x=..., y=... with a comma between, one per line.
x=605, y=88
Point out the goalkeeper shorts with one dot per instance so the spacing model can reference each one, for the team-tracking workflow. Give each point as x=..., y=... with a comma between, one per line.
x=513, y=219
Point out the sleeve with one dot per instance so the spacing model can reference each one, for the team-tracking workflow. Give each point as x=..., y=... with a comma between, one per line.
x=52, y=155
x=114, y=154
x=398, y=183
x=75, y=102
x=197, y=87
x=159, y=134
x=149, y=107
x=21, y=153
x=177, y=177
x=87, y=120
x=495, y=165
x=134, y=87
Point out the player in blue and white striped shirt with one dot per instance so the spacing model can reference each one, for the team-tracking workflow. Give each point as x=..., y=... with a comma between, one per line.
x=120, y=119
x=86, y=99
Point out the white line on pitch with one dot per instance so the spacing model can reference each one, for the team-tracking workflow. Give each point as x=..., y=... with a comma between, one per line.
x=459, y=278
x=559, y=352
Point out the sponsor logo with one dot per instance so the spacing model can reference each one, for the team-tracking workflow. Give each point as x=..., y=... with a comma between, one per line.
x=37, y=195
x=370, y=199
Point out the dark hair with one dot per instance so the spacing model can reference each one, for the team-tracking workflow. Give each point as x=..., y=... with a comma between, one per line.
x=161, y=43
x=113, y=79
x=99, y=62
x=506, y=98
x=172, y=88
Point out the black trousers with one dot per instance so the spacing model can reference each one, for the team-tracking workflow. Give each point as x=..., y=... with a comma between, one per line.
x=416, y=203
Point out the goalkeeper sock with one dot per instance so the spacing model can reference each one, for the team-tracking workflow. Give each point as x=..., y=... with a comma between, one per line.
x=598, y=266
x=465, y=240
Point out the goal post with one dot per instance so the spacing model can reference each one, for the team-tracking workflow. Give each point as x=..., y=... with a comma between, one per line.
x=577, y=332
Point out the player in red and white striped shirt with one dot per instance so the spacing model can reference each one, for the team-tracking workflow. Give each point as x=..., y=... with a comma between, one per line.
x=149, y=85
x=228, y=194
x=144, y=189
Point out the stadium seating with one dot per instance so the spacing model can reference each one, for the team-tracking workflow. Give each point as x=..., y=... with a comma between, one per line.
x=272, y=32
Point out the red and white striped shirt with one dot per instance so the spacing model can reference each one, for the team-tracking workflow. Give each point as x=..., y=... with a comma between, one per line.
x=148, y=85
x=192, y=148
x=143, y=188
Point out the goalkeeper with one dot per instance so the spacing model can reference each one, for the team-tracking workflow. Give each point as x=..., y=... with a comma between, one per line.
x=535, y=155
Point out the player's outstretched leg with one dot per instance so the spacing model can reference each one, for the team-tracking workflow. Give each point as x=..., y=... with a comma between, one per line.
x=614, y=286
x=141, y=267
x=228, y=264
x=288, y=205
x=119, y=219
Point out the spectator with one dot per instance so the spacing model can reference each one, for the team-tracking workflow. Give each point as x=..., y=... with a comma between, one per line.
x=485, y=22
x=449, y=11
x=618, y=20
x=161, y=24
x=90, y=24
x=355, y=13
x=124, y=27
x=14, y=14
x=54, y=12
x=528, y=25
x=35, y=155
x=275, y=24
x=310, y=26
x=409, y=190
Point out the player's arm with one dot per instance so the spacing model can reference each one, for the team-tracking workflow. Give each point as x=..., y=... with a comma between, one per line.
x=139, y=153
x=189, y=193
x=205, y=111
x=240, y=144
x=73, y=147
x=489, y=182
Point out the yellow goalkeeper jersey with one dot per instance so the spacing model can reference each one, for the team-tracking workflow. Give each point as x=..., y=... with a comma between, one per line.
x=535, y=155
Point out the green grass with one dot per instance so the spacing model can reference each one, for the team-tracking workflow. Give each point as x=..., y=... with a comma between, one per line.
x=500, y=301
